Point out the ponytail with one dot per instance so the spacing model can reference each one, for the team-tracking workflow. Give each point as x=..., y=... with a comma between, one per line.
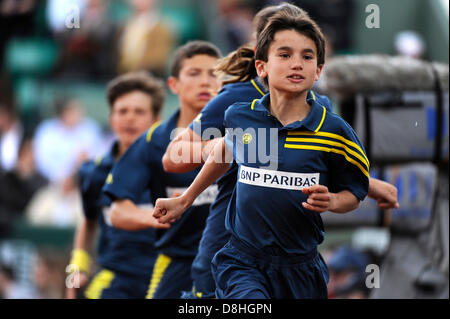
x=238, y=66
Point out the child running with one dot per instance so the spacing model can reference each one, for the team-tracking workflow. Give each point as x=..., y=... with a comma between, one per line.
x=125, y=258
x=242, y=85
x=320, y=166
x=140, y=169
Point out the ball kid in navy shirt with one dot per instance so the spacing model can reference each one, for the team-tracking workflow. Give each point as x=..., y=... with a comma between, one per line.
x=125, y=258
x=141, y=169
x=295, y=161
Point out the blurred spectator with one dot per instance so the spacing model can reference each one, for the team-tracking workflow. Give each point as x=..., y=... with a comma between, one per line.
x=56, y=205
x=87, y=49
x=58, y=12
x=65, y=141
x=10, y=288
x=146, y=41
x=237, y=18
x=17, y=19
x=11, y=132
x=18, y=185
x=347, y=274
x=49, y=274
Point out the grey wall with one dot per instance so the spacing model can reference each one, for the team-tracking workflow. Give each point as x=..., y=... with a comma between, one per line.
x=423, y=16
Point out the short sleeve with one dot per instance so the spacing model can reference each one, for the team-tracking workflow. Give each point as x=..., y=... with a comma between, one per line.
x=89, y=190
x=349, y=164
x=131, y=175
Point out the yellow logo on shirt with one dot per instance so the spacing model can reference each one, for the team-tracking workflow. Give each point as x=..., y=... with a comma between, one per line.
x=247, y=138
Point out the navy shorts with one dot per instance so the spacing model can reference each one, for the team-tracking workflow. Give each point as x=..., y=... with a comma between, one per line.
x=170, y=278
x=241, y=272
x=108, y=284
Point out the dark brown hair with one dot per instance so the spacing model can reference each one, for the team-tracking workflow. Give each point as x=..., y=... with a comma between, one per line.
x=284, y=21
x=189, y=50
x=239, y=65
x=137, y=81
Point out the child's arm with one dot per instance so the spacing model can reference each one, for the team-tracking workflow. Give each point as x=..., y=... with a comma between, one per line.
x=384, y=193
x=186, y=152
x=168, y=209
x=321, y=200
x=84, y=238
x=127, y=216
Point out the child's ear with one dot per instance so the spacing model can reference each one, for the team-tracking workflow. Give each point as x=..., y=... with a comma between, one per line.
x=260, y=66
x=172, y=83
x=318, y=72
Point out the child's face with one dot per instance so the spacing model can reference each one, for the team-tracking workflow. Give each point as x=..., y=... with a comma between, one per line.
x=291, y=63
x=131, y=116
x=196, y=83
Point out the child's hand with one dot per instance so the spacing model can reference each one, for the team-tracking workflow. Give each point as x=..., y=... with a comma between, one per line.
x=319, y=199
x=384, y=193
x=169, y=210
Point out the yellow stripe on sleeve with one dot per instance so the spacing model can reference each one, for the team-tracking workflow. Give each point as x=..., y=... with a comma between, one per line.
x=196, y=293
x=151, y=129
x=100, y=282
x=109, y=178
x=335, y=136
x=328, y=149
x=161, y=264
x=98, y=160
x=322, y=141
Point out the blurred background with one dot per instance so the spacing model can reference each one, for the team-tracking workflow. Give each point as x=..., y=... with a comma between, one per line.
x=386, y=73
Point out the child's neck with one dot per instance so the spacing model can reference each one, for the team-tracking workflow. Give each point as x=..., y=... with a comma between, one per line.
x=187, y=115
x=289, y=108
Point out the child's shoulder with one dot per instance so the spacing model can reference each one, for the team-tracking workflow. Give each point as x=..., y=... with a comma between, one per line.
x=157, y=134
x=333, y=123
x=246, y=85
x=93, y=172
x=229, y=94
x=87, y=168
x=239, y=107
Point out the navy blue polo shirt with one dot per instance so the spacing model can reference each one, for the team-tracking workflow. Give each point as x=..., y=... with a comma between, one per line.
x=266, y=209
x=118, y=250
x=212, y=116
x=140, y=169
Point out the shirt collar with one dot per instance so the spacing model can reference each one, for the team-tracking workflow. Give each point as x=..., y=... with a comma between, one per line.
x=313, y=121
x=258, y=86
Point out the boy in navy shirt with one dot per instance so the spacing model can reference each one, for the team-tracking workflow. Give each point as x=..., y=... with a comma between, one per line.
x=319, y=166
x=140, y=169
x=126, y=258
x=242, y=84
